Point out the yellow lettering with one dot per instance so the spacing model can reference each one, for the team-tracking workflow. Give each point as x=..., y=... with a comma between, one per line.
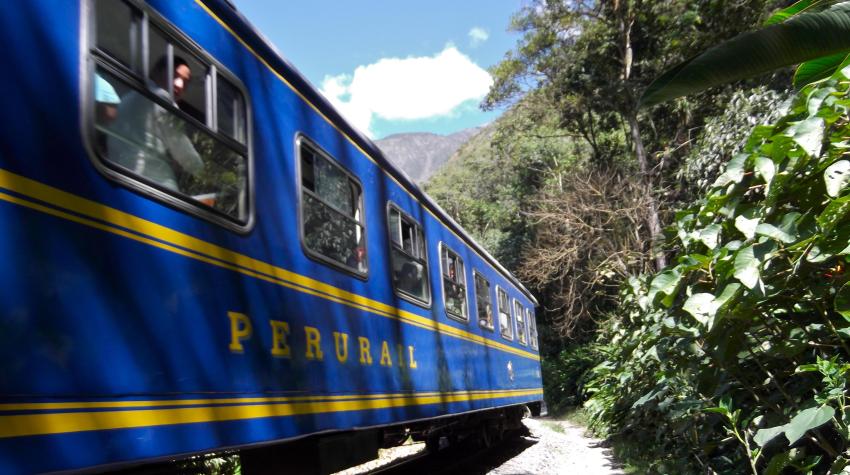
x=386, y=360
x=240, y=329
x=400, y=350
x=280, y=330
x=412, y=360
x=341, y=344
x=365, y=356
x=314, y=352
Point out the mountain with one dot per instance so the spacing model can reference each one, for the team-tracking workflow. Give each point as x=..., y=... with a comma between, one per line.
x=420, y=155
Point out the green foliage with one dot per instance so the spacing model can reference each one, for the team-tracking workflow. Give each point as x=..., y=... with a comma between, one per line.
x=735, y=359
x=564, y=376
x=799, y=34
x=724, y=135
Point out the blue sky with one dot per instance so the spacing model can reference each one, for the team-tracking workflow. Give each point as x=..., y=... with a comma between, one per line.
x=394, y=66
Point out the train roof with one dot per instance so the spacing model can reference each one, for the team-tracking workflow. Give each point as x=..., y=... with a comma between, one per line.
x=263, y=47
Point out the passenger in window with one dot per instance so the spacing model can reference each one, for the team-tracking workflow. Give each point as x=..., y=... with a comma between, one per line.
x=151, y=141
x=487, y=317
x=357, y=259
x=106, y=107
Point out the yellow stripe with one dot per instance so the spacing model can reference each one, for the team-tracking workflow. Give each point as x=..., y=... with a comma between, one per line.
x=56, y=423
x=48, y=406
x=350, y=140
x=170, y=240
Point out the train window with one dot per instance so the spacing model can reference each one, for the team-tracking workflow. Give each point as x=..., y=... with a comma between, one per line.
x=506, y=326
x=154, y=115
x=408, y=259
x=331, y=211
x=231, y=111
x=520, y=322
x=532, y=328
x=117, y=32
x=483, y=302
x=454, y=283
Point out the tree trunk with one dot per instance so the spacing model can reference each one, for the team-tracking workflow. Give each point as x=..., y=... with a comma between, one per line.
x=652, y=219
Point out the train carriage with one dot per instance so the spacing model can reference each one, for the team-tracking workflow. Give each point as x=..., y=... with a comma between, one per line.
x=200, y=254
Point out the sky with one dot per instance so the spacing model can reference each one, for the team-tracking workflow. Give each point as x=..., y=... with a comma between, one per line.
x=393, y=66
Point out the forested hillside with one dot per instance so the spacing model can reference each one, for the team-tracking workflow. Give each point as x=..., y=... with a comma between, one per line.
x=689, y=256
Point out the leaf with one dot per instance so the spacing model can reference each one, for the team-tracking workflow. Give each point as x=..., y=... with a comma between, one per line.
x=806, y=420
x=836, y=177
x=771, y=231
x=766, y=169
x=808, y=134
x=763, y=436
x=842, y=301
x=817, y=69
x=666, y=283
x=805, y=37
x=833, y=214
x=746, y=267
x=734, y=172
x=790, y=11
x=747, y=226
x=777, y=463
x=702, y=307
x=710, y=235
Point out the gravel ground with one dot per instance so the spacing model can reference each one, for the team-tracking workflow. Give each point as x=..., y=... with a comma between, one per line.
x=554, y=447
x=561, y=448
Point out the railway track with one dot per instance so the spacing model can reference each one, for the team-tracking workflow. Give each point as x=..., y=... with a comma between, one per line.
x=466, y=457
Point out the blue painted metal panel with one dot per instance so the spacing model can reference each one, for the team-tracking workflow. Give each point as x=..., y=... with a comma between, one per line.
x=125, y=325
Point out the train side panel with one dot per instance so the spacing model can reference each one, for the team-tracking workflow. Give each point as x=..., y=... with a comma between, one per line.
x=131, y=330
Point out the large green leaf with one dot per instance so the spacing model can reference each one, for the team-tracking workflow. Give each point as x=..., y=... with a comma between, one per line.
x=747, y=267
x=808, y=134
x=796, y=8
x=763, y=436
x=665, y=284
x=702, y=307
x=806, y=420
x=817, y=69
x=836, y=177
x=802, y=38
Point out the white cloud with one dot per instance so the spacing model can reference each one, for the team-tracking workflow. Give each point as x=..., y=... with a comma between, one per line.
x=477, y=36
x=407, y=89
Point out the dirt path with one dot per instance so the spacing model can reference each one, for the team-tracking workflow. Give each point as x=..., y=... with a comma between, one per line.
x=561, y=448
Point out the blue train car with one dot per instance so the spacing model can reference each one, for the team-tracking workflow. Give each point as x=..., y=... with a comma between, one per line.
x=200, y=254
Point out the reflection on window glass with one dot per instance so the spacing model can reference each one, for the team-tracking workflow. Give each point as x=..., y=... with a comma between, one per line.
x=331, y=217
x=144, y=138
x=454, y=283
x=505, y=324
x=409, y=265
x=520, y=323
x=532, y=328
x=116, y=31
x=230, y=111
x=483, y=302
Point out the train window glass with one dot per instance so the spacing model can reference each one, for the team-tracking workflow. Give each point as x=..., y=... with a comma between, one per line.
x=331, y=211
x=454, y=283
x=520, y=323
x=483, y=301
x=157, y=128
x=231, y=111
x=117, y=34
x=408, y=259
x=532, y=328
x=506, y=327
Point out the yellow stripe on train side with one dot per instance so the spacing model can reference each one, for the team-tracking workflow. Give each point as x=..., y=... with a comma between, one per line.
x=105, y=218
x=67, y=422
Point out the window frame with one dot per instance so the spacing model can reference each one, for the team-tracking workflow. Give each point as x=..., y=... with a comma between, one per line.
x=442, y=245
x=403, y=215
x=518, y=305
x=92, y=58
x=475, y=274
x=300, y=139
x=511, y=323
